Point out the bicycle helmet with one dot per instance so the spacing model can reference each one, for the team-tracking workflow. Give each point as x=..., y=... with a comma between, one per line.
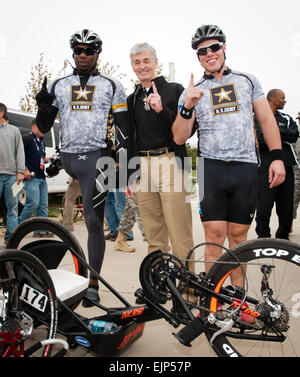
x=205, y=32
x=87, y=37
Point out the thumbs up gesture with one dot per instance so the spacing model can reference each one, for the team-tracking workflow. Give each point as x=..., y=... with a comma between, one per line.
x=154, y=99
x=192, y=94
x=43, y=98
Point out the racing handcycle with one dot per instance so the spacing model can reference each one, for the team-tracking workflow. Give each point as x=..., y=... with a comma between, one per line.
x=42, y=283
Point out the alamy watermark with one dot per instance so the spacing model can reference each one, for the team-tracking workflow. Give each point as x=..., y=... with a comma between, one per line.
x=174, y=175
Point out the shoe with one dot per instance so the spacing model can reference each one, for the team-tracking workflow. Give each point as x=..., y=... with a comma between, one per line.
x=91, y=294
x=111, y=236
x=43, y=234
x=122, y=245
x=140, y=301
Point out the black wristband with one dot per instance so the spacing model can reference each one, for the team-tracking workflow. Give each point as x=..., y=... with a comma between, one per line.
x=186, y=113
x=276, y=154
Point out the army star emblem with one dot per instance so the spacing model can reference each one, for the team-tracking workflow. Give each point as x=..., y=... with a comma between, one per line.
x=82, y=93
x=223, y=95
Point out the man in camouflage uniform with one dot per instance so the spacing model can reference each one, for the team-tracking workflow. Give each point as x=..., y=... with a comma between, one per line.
x=130, y=215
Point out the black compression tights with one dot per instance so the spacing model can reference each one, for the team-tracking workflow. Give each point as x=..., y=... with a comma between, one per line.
x=82, y=166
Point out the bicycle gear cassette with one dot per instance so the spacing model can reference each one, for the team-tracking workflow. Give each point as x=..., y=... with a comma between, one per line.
x=154, y=271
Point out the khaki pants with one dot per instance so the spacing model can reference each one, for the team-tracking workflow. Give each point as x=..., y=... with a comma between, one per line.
x=72, y=193
x=164, y=205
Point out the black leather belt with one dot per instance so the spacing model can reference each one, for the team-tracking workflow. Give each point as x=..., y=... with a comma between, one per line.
x=155, y=152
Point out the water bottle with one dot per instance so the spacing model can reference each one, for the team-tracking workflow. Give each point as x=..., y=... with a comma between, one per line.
x=99, y=326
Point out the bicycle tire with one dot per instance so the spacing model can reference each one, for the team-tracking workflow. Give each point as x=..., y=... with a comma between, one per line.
x=284, y=280
x=43, y=223
x=30, y=299
x=53, y=226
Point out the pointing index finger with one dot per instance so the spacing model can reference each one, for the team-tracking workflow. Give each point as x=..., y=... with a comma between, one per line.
x=44, y=85
x=154, y=87
x=191, y=83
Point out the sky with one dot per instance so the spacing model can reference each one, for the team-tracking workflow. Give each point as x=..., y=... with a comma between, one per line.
x=263, y=38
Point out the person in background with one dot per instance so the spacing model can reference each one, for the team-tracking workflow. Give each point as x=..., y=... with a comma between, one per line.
x=114, y=208
x=71, y=195
x=297, y=176
x=35, y=180
x=282, y=195
x=12, y=167
x=130, y=216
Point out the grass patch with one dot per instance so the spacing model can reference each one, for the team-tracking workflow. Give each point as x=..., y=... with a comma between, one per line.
x=54, y=205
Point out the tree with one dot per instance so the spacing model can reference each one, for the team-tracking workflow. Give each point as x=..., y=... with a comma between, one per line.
x=38, y=72
x=192, y=152
x=110, y=70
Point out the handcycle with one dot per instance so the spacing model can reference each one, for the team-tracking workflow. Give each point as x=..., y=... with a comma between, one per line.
x=43, y=282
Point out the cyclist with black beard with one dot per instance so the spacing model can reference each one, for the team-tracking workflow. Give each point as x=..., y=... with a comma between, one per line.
x=85, y=100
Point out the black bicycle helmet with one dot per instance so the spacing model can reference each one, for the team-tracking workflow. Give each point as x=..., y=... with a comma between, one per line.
x=205, y=32
x=87, y=37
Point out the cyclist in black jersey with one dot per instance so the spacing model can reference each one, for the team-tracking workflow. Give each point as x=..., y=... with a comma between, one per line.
x=85, y=100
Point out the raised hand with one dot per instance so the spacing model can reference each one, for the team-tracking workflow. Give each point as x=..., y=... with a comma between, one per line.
x=154, y=99
x=192, y=94
x=44, y=99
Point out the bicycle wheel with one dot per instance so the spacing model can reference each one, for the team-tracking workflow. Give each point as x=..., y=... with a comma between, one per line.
x=61, y=251
x=28, y=306
x=268, y=323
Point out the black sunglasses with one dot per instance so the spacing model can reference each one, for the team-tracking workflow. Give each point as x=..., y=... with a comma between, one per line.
x=214, y=48
x=87, y=51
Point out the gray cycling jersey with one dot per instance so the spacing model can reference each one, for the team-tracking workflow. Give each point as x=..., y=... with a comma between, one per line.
x=84, y=112
x=225, y=116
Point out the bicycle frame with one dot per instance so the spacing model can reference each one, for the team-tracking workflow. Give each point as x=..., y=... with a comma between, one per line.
x=163, y=277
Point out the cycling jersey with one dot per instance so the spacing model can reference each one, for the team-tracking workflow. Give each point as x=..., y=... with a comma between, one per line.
x=84, y=111
x=85, y=104
x=225, y=116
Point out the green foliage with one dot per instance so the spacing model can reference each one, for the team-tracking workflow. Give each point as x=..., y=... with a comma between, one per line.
x=192, y=152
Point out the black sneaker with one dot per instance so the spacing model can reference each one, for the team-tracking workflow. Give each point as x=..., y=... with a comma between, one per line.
x=140, y=301
x=111, y=236
x=91, y=294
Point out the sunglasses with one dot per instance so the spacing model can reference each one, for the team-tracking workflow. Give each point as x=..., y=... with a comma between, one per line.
x=87, y=51
x=213, y=48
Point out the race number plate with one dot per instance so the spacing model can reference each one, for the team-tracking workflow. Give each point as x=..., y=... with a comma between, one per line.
x=34, y=298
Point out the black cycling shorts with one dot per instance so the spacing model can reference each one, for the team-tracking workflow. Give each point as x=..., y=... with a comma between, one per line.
x=229, y=191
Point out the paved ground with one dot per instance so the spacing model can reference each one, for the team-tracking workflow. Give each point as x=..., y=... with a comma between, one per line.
x=121, y=271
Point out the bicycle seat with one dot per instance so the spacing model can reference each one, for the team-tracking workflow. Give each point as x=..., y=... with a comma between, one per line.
x=69, y=287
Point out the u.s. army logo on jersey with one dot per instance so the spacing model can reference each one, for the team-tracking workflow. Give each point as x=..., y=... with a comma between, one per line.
x=224, y=99
x=82, y=99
